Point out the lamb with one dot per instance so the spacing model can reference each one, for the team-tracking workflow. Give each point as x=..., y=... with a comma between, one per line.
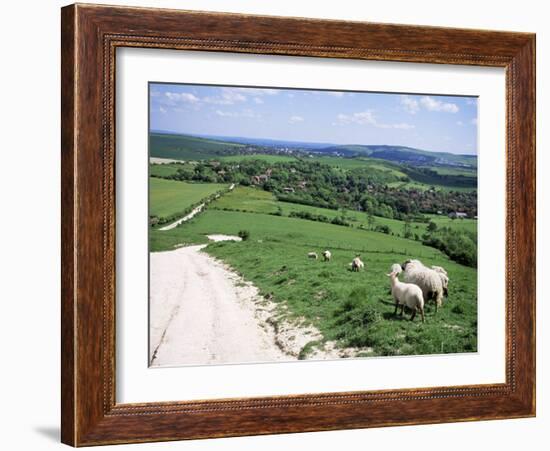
x=357, y=264
x=312, y=255
x=406, y=294
x=427, y=279
x=327, y=256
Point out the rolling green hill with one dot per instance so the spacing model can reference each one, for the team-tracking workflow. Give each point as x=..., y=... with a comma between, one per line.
x=404, y=154
x=168, y=198
x=185, y=147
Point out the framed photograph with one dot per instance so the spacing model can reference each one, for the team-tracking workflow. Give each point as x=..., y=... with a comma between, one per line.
x=279, y=225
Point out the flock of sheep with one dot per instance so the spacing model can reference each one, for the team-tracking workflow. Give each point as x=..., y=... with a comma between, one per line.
x=421, y=284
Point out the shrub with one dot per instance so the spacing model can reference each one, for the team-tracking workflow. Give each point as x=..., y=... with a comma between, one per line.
x=383, y=229
x=459, y=246
x=244, y=234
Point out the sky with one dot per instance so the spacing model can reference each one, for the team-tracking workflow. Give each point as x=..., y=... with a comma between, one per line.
x=427, y=121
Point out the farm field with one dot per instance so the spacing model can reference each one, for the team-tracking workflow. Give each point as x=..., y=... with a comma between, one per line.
x=361, y=162
x=185, y=147
x=164, y=169
x=353, y=309
x=260, y=201
x=168, y=198
x=423, y=186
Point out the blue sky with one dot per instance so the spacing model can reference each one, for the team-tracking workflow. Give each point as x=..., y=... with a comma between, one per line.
x=427, y=121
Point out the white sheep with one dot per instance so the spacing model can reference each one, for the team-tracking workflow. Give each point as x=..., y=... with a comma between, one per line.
x=327, y=256
x=312, y=255
x=444, y=278
x=357, y=264
x=396, y=268
x=440, y=269
x=427, y=279
x=406, y=294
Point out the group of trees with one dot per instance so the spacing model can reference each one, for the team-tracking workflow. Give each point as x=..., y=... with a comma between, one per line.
x=316, y=184
x=460, y=246
x=429, y=177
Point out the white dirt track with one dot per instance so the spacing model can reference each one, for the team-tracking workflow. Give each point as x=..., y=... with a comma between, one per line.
x=202, y=313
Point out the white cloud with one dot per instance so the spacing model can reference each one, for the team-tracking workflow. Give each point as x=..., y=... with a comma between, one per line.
x=162, y=110
x=258, y=100
x=471, y=101
x=258, y=91
x=402, y=126
x=460, y=123
x=334, y=93
x=473, y=121
x=227, y=96
x=409, y=104
x=432, y=104
x=244, y=113
x=177, y=97
x=362, y=118
x=296, y=119
x=368, y=118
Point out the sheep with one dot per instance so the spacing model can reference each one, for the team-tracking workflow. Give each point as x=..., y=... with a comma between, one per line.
x=444, y=279
x=406, y=294
x=427, y=279
x=396, y=268
x=440, y=269
x=357, y=264
x=327, y=256
x=312, y=255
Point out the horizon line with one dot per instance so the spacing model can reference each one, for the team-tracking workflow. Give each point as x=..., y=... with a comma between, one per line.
x=310, y=142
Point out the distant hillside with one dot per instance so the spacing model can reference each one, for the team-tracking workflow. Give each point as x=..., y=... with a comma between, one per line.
x=266, y=142
x=185, y=147
x=402, y=154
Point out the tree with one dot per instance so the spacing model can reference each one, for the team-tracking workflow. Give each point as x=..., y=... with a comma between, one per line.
x=407, y=232
x=370, y=220
x=432, y=227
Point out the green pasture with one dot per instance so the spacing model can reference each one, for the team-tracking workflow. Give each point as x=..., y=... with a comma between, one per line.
x=169, y=197
x=185, y=147
x=354, y=309
x=259, y=201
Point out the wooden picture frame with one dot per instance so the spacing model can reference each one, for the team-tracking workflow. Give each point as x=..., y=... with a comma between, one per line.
x=90, y=36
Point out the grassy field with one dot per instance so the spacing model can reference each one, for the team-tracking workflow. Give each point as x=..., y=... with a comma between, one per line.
x=260, y=201
x=352, y=163
x=355, y=309
x=423, y=186
x=184, y=147
x=168, y=198
x=454, y=171
x=164, y=169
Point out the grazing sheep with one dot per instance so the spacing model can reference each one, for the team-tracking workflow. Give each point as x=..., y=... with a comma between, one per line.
x=396, y=268
x=357, y=264
x=444, y=279
x=427, y=279
x=440, y=269
x=406, y=294
x=312, y=255
x=327, y=256
x=445, y=284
